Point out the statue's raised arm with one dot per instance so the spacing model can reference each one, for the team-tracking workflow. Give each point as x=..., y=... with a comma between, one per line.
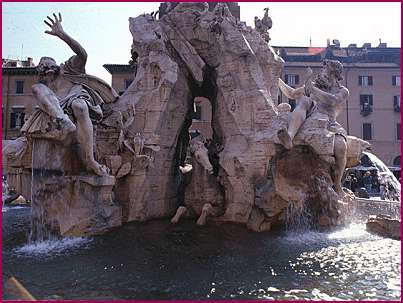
x=290, y=92
x=79, y=60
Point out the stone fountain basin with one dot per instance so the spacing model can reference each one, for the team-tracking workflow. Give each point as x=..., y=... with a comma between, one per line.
x=384, y=226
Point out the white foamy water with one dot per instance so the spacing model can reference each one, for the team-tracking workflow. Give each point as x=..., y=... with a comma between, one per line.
x=52, y=247
x=354, y=230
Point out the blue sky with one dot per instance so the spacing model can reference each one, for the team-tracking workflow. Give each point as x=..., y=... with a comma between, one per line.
x=103, y=28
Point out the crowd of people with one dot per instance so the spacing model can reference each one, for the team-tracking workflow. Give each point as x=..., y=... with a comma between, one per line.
x=369, y=183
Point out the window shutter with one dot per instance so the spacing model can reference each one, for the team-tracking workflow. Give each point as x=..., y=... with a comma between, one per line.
x=12, y=120
x=371, y=100
x=286, y=79
x=362, y=99
x=360, y=80
x=367, y=131
x=370, y=80
x=296, y=79
x=394, y=80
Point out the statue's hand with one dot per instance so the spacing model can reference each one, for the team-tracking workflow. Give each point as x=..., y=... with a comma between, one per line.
x=56, y=26
x=309, y=73
x=308, y=87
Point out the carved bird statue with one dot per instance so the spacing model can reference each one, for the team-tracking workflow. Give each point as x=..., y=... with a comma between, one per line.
x=266, y=21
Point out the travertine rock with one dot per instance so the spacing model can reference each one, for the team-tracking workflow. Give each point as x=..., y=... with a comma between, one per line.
x=384, y=226
x=243, y=175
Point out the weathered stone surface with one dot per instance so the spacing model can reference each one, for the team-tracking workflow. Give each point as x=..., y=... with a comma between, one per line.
x=384, y=226
x=68, y=203
x=245, y=174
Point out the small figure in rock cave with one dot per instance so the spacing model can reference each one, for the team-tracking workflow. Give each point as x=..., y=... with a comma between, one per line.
x=324, y=95
x=66, y=94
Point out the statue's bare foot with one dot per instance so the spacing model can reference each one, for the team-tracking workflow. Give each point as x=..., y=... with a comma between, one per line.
x=179, y=213
x=99, y=169
x=205, y=212
x=284, y=138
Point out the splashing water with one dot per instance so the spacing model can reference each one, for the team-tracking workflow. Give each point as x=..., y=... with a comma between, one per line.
x=4, y=195
x=298, y=217
x=52, y=247
x=386, y=173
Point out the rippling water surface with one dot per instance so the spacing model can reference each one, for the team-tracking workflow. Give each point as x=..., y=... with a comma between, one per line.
x=156, y=260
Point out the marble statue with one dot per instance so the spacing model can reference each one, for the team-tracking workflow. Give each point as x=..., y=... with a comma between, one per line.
x=97, y=161
x=66, y=93
x=264, y=25
x=326, y=96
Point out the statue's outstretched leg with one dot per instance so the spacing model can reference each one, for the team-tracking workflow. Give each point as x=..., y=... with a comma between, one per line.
x=179, y=213
x=49, y=103
x=340, y=154
x=205, y=212
x=85, y=136
x=296, y=118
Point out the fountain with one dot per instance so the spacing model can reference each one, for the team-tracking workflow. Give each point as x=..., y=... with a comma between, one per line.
x=126, y=163
x=269, y=159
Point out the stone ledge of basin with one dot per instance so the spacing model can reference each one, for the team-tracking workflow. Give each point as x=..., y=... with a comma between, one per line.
x=95, y=180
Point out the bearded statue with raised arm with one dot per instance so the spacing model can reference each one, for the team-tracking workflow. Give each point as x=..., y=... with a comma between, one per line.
x=70, y=101
x=326, y=96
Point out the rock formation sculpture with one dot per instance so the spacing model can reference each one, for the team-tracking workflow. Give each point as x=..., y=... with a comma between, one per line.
x=143, y=136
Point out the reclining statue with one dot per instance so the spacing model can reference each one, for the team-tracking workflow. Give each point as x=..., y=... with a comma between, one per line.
x=325, y=95
x=66, y=94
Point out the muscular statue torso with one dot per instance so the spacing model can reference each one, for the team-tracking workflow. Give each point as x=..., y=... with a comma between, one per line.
x=332, y=110
x=61, y=86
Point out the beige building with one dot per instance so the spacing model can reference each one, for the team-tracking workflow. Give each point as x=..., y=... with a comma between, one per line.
x=372, y=75
x=17, y=100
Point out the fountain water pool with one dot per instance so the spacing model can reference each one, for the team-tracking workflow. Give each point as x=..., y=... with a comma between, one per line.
x=156, y=260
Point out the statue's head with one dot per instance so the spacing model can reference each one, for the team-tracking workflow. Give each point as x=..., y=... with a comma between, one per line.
x=48, y=69
x=332, y=72
x=334, y=68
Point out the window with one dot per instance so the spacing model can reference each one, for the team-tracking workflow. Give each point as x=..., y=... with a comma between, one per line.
x=19, y=87
x=396, y=161
x=365, y=80
x=17, y=118
x=127, y=83
x=398, y=131
x=366, y=102
x=367, y=131
x=396, y=103
x=197, y=113
x=396, y=80
x=292, y=79
x=293, y=104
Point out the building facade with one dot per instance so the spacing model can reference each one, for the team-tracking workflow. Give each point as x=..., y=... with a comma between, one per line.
x=372, y=75
x=17, y=99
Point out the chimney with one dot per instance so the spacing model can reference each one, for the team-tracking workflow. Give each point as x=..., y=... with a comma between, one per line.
x=366, y=45
x=382, y=45
x=352, y=45
x=336, y=43
x=30, y=61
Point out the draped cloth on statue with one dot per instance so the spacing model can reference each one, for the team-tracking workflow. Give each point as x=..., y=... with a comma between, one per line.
x=91, y=89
